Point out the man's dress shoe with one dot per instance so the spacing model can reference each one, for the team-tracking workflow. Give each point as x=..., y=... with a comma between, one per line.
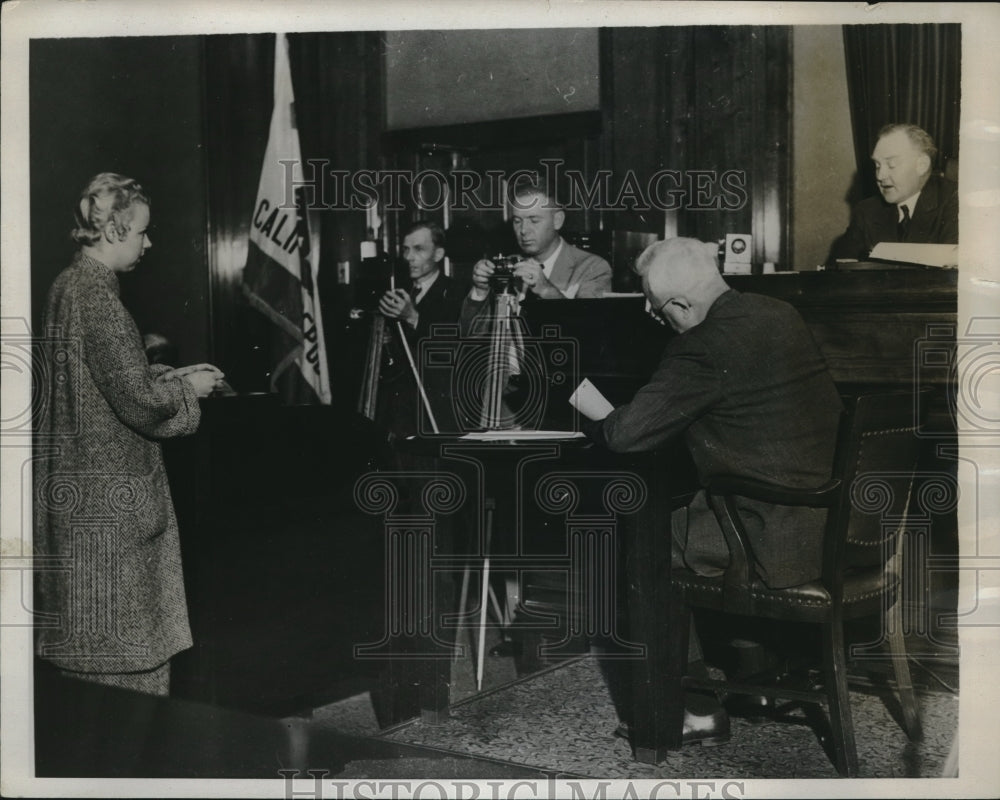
x=753, y=707
x=717, y=733
x=508, y=647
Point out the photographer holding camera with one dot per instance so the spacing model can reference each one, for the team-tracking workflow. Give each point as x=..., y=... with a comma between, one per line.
x=552, y=268
x=433, y=299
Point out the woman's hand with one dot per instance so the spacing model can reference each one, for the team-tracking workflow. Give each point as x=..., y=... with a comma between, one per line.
x=181, y=372
x=204, y=378
x=205, y=382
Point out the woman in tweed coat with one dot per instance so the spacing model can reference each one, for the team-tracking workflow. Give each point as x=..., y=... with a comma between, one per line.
x=111, y=589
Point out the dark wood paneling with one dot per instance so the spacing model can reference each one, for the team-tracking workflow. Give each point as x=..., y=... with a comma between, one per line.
x=238, y=90
x=339, y=83
x=702, y=99
x=646, y=113
x=918, y=290
x=459, y=76
x=873, y=327
x=550, y=146
x=128, y=105
x=500, y=133
x=281, y=567
x=340, y=107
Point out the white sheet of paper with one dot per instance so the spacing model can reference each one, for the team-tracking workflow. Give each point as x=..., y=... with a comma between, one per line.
x=930, y=255
x=588, y=400
x=526, y=436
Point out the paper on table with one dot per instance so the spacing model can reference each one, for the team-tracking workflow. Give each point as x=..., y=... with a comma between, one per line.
x=589, y=401
x=506, y=436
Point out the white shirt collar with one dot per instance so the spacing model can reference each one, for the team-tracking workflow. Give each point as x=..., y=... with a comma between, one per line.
x=910, y=202
x=425, y=283
x=549, y=263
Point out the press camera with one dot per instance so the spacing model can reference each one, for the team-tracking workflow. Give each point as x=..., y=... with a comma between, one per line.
x=503, y=280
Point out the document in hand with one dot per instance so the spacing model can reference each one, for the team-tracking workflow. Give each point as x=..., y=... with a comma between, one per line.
x=589, y=401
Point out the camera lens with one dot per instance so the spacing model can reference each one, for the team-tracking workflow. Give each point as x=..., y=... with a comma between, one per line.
x=503, y=280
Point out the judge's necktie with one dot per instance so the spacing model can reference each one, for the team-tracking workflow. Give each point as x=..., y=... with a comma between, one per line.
x=904, y=223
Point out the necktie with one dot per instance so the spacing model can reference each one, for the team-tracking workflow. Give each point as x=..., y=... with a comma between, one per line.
x=904, y=223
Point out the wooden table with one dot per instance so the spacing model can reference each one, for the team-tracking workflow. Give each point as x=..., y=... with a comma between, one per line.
x=601, y=496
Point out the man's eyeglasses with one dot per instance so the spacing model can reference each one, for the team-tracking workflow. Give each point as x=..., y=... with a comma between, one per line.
x=657, y=313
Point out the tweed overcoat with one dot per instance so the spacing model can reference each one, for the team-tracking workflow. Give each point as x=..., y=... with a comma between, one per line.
x=110, y=585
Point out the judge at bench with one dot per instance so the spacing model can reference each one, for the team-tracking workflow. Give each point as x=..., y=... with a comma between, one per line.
x=914, y=205
x=552, y=269
x=746, y=386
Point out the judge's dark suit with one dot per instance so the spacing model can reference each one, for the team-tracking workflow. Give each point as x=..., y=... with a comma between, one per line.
x=933, y=221
x=751, y=394
x=399, y=403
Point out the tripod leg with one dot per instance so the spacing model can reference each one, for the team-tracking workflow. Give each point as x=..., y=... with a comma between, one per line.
x=482, y=623
x=484, y=597
x=463, y=599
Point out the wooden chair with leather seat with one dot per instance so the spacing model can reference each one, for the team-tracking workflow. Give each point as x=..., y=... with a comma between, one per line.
x=867, y=500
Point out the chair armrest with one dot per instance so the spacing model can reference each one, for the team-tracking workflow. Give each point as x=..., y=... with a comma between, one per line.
x=819, y=497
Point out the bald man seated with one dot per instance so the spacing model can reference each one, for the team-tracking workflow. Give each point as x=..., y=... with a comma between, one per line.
x=746, y=387
x=913, y=205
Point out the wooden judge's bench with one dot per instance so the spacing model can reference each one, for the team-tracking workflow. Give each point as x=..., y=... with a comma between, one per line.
x=874, y=327
x=286, y=572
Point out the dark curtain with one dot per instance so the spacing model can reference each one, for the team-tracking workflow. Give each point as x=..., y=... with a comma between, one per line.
x=903, y=73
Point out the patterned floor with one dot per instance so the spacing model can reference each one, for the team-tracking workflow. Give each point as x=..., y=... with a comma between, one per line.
x=563, y=719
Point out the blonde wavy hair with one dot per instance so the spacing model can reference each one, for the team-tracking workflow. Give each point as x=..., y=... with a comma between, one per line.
x=108, y=197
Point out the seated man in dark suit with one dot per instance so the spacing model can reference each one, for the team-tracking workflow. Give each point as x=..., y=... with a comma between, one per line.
x=746, y=386
x=433, y=299
x=915, y=205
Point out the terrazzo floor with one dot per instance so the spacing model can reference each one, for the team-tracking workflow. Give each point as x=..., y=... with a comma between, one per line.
x=563, y=719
